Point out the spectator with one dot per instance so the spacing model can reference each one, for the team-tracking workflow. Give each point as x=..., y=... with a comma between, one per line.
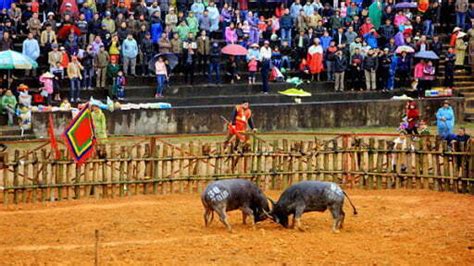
x=119, y=86
x=74, y=70
x=48, y=37
x=315, y=59
x=403, y=67
x=130, y=53
x=47, y=80
x=370, y=65
x=412, y=115
x=214, y=63
x=460, y=48
x=340, y=66
x=461, y=8
x=265, y=55
x=445, y=120
x=161, y=76
x=101, y=61
x=8, y=105
x=419, y=77
x=146, y=53
x=88, y=64
x=100, y=122
x=31, y=49
x=203, y=49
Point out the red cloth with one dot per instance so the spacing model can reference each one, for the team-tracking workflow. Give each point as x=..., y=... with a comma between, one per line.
x=452, y=41
x=365, y=28
x=240, y=124
x=315, y=63
x=244, y=5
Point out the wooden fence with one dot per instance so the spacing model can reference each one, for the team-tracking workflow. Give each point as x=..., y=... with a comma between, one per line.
x=159, y=167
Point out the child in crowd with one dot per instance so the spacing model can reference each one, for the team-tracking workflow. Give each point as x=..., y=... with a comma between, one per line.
x=252, y=66
x=304, y=70
x=120, y=86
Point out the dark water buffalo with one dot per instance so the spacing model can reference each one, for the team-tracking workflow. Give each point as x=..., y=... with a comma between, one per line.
x=309, y=196
x=232, y=194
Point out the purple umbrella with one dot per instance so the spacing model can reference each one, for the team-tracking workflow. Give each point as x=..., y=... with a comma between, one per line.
x=405, y=5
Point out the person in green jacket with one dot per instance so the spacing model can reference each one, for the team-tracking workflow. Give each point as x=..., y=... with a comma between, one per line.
x=100, y=123
x=8, y=106
x=182, y=30
x=193, y=23
x=112, y=71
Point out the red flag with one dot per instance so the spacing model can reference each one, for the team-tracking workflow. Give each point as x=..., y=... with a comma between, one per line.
x=52, y=138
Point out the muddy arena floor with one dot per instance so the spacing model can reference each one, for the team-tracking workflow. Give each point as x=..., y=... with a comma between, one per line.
x=393, y=227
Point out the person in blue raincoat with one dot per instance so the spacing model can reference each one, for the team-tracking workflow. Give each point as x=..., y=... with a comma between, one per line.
x=391, y=72
x=445, y=120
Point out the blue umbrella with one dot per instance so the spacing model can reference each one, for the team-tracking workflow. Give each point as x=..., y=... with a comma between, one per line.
x=430, y=55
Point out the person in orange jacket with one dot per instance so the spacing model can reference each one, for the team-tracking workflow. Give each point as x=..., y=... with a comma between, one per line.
x=240, y=121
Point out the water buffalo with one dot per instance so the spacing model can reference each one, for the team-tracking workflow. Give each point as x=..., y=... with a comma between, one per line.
x=226, y=195
x=309, y=196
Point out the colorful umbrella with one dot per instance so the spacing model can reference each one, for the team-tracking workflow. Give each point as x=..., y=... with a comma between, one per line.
x=10, y=59
x=430, y=55
x=234, y=49
x=170, y=57
x=404, y=48
x=66, y=30
x=295, y=92
x=406, y=5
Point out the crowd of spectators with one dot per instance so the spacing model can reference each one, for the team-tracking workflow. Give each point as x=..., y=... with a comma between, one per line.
x=97, y=44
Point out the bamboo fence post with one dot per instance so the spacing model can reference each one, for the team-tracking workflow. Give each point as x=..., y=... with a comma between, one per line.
x=370, y=164
x=114, y=154
x=16, y=176
x=148, y=167
x=191, y=167
x=197, y=167
x=418, y=164
x=327, y=176
x=470, y=170
x=309, y=161
x=6, y=184
x=381, y=145
x=164, y=169
x=335, y=162
x=44, y=176
x=156, y=168
x=129, y=175
x=425, y=165
x=461, y=161
x=34, y=159
x=180, y=165
x=274, y=159
x=436, y=167
x=95, y=178
x=346, y=162
x=259, y=155
x=361, y=158
x=60, y=175
x=285, y=164
x=171, y=175
x=25, y=182
x=138, y=167
x=105, y=192
x=122, y=168
x=301, y=158
x=446, y=180
x=410, y=159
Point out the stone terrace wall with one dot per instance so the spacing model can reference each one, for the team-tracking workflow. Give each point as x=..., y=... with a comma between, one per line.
x=267, y=117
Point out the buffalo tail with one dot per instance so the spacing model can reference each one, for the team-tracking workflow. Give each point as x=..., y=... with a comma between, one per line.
x=353, y=207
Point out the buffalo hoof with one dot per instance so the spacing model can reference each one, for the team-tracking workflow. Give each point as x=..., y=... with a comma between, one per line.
x=337, y=231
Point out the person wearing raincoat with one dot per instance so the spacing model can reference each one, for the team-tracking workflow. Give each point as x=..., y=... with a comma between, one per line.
x=315, y=59
x=445, y=120
x=375, y=13
x=100, y=122
x=391, y=73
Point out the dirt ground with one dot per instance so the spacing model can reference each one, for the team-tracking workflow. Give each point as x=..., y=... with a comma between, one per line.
x=393, y=227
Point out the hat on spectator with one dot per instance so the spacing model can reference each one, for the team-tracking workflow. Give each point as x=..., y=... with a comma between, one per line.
x=8, y=20
x=266, y=42
x=107, y=13
x=54, y=45
x=456, y=29
x=254, y=45
x=461, y=35
x=62, y=48
x=69, y=4
x=50, y=14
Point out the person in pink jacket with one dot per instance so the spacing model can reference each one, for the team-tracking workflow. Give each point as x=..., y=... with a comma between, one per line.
x=230, y=34
x=418, y=75
x=47, y=89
